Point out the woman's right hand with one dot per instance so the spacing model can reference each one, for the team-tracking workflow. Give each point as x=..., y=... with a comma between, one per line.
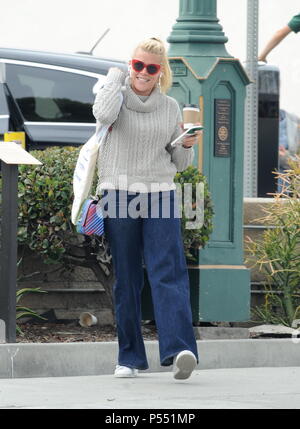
x=116, y=74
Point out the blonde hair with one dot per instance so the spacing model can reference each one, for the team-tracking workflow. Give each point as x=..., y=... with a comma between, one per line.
x=156, y=46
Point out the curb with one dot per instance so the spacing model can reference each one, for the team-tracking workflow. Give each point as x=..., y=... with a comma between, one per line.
x=73, y=359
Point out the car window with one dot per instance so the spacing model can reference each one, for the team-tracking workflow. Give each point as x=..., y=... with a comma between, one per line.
x=46, y=95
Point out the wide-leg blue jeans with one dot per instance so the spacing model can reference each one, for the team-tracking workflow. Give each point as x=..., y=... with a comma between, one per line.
x=152, y=237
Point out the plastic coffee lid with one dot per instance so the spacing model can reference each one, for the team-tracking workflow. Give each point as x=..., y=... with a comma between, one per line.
x=191, y=106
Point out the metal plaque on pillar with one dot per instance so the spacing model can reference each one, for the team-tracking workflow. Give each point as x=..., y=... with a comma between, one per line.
x=222, y=140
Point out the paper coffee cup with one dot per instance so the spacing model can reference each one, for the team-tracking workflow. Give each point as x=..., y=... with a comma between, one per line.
x=190, y=115
x=87, y=319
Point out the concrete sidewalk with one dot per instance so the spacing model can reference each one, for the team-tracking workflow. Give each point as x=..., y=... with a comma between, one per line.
x=250, y=388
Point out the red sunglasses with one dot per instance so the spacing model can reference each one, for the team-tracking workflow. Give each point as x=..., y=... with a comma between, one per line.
x=138, y=66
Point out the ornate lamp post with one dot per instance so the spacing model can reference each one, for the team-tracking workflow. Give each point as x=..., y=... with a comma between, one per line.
x=205, y=74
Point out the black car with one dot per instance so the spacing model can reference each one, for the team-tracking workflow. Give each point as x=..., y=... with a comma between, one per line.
x=50, y=95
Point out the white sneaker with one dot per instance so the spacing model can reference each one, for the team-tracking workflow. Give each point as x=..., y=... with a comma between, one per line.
x=184, y=364
x=125, y=372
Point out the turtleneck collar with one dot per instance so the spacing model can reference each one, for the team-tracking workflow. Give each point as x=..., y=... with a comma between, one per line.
x=133, y=102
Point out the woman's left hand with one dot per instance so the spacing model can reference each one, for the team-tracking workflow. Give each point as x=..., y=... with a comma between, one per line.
x=189, y=141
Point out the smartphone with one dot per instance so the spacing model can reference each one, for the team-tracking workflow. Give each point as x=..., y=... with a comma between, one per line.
x=190, y=131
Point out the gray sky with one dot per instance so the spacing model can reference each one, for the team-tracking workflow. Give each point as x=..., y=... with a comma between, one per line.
x=73, y=25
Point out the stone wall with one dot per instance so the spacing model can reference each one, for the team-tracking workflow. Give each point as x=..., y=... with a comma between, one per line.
x=68, y=292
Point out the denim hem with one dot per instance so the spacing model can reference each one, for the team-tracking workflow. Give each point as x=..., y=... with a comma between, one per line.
x=134, y=367
x=168, y=361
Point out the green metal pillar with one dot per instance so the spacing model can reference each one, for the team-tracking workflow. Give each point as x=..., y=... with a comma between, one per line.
x=197, y=28
x=205, y=74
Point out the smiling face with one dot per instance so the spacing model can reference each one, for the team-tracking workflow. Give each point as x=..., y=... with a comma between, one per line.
x=142, y=82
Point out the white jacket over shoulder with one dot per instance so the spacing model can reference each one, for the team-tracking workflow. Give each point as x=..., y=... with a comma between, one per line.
x=86, y=163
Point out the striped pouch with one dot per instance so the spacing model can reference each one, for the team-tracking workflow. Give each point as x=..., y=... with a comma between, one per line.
x=90, y=219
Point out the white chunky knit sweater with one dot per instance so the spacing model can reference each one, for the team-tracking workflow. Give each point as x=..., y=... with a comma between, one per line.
x=137, y=155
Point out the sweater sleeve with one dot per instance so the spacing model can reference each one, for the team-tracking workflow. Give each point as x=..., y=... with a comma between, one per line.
x=182, y=157
x=106, y=107
x=294, y=23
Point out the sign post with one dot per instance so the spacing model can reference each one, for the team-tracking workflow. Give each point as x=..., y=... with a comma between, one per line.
x=11, y=155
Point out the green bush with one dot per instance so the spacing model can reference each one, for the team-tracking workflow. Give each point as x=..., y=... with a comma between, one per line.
x=194, y=239
x=45, y=201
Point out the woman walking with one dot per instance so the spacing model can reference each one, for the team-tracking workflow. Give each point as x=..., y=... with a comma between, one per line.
x=138, y=164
